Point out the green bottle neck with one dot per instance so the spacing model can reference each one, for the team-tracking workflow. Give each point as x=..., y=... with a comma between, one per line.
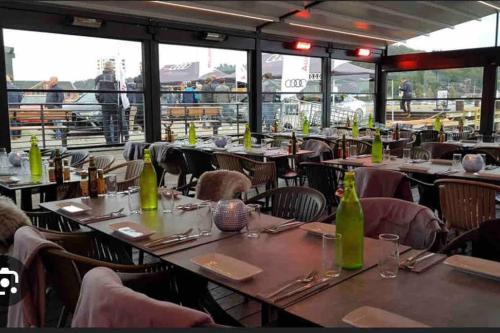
x=349, y=190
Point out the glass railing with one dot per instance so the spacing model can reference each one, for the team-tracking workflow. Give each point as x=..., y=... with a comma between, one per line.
x=291, y=114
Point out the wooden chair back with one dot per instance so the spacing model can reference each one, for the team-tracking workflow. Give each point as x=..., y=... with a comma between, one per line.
x=260, y=173
x=104, y=161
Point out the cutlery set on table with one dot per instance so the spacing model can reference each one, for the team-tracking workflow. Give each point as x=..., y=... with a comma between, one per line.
x=172, y=240
x=421, y=261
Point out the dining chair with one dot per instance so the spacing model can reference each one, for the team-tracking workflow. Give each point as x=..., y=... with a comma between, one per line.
x=325, y=179
x=417, y=226
x=124, y=307
x=47, y=220
x=362, y=146
x=397, y=147
x=104, y=161
x=373, y=182
x=427, y=136
x=465, y=204
x=133, y=170
x=259, y=173
x=77, y=158
x=481, y=242
x=198, y=162
x=441, y=149
x=301, y=203
x=418, y=153
x=492, y=154
x=222, y=185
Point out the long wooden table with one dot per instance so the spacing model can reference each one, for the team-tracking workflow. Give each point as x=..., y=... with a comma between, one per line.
x=437, y=297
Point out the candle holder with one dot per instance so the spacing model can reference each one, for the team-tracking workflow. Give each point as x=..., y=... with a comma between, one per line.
x=230, y=215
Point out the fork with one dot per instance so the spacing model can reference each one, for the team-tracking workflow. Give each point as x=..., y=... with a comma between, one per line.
x=179, y=235
x=306, y=279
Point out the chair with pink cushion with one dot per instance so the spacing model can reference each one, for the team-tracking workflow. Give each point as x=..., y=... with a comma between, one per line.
x=417, y=226
x=105, y=302
x=373, y=182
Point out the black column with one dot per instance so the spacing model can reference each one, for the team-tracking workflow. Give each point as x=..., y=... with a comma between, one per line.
x=152, y=107
x=380, y=93
x=255, y=79
x=4, y=104
x=326, y=89
x=488, y=99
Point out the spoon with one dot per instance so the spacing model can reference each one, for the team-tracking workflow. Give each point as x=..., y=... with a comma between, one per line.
x=306, y=279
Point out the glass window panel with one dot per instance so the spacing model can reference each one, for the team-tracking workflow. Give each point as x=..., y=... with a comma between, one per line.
x=352, y=77
x=348, y=105
x=205, y=85
x=47, y=90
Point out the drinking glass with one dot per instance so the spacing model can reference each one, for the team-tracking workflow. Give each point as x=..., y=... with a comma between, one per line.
x=457, y=162
x=483, y=156
x=134, y=199
x=204, y=213
x=387, y=154
x=388, y=263
x=353, y=151
x=111, y=185
x=479, y=138
x=253, y=229
x=25, y=165
x=331, y=258
x=406, y=155
x=167, y=200
x=497, y=138
x=4, y=160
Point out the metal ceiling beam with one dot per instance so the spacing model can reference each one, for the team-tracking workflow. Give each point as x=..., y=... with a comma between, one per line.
x=390, y=11
x=293, y=12
x=450, y=9
x=369, y=21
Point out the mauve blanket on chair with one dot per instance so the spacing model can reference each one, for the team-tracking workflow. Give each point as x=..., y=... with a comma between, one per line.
x=105, y=302
x=30, y=311
x=371, y=182
x=415, y=225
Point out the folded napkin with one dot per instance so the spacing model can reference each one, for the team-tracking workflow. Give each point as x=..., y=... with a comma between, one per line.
x=441, y=161
x=412, y=167
x=489, y=174
x=367, y=316
x=94, y=219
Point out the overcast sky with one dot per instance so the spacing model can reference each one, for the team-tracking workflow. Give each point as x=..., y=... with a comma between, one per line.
x=41, y=55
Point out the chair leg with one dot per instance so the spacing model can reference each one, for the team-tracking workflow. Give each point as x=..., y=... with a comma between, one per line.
x=286, y=182
x=63, y=316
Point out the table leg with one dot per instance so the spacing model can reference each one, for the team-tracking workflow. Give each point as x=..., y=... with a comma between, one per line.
x=26, y=203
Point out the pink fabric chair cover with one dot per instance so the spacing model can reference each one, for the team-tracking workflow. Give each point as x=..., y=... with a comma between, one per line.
x=30, y=311
x=221, y=185
x=317, y=147
x=105, y=302
x=440, y=149
x=371, y=182
x=415, y=225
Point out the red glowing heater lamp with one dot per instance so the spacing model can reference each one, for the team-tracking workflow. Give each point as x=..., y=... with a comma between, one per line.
x=302, y=46
x=362, y=52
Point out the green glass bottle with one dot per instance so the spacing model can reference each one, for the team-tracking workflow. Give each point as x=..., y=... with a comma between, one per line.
x=370, y=121
x=305, y=127
x=350, y=223
x=437, y=124
x=377, y=147
x=35, y=157
x=355, y=128
x=192, y=134
x=149, y=187
x=247, y=138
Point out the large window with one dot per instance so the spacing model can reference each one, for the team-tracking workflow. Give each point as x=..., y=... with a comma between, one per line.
x=291, y=90
x=353, y=87
x=73, y=90
x=205, y=86
x=415, y=98
x=496, y=121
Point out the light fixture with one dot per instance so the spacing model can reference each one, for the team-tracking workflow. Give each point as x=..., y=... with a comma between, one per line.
x=361, y=52
x=341, y=32
x=489, y=5
x=302, y=46
x=86, y=22
x=215, y=11
x=213, y=36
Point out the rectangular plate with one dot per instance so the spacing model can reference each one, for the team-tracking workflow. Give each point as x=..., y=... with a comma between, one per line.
x=139, y=228
x=318, y=228
x=73, y=207
x=367, y=316
x=9, y=180
x=482, y=267
x=228, y=267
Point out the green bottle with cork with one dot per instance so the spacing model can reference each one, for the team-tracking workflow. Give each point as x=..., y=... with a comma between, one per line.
x=377, y=147
x=35, y=157
x=437, y=124
x=247, y=138
x=192, y=134
x=350, y=223
x=305, y=127
x=355, y=127
x=148, y=184
x=370, y=121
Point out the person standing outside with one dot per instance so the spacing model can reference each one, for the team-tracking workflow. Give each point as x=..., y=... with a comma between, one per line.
x=223, y=97
x=14, y=99
x=54, y=100
x=188, y=95
x=108, y=101
x=268, y=98
x=407, y=90
x=138, y=100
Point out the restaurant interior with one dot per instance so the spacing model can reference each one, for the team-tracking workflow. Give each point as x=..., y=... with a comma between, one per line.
x=249, y=164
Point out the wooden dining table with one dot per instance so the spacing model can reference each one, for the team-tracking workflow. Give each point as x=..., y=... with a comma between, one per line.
x=294, y=253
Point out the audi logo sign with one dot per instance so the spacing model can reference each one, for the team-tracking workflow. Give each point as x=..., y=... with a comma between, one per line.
x=295, y=83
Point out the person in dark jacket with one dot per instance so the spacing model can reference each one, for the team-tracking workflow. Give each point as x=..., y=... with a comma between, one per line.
x=54, y=100
x=137, y=100
x=14, y=99
x=109, y=102
x=407, y=90
x=188, y=96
